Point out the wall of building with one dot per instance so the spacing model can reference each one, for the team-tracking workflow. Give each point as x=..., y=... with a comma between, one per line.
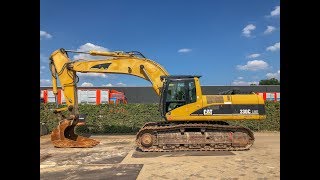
x=147, y=95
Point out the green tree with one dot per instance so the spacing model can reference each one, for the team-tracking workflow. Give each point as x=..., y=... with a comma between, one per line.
x=272, y=81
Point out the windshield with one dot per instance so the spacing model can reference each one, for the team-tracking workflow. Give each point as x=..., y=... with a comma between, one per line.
x=176, y=91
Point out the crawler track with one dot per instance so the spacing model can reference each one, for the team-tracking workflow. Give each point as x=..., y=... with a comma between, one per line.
x=166, y=137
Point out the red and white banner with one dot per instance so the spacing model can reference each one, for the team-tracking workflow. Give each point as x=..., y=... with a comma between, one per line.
x=90, y=96
x=273, y=96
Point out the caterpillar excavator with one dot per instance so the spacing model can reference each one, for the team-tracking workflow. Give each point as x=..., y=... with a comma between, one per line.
x=192, y=121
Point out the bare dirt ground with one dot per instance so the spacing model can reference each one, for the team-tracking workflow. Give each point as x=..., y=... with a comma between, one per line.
x=116, y=158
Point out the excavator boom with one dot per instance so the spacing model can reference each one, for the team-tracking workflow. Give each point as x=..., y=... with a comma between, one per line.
x=65, y=69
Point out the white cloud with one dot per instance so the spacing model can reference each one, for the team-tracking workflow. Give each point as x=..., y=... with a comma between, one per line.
x=269, y=29
x=274, y=47
x=86, y=84
x=42, y=67
x=120, y=84
x=276, y=11
x=107, y=85
x=184, y=50
x=247, y=30
x=88, y=47
x=102, y=75
x=273, y=75
x=253, y=55
x=45, y=35
x=243, y=83
x=254, y=65
x=41, y=72
x=45, y=82
x=240, y=78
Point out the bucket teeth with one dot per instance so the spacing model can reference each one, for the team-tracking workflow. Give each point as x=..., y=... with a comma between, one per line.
x=64, y=137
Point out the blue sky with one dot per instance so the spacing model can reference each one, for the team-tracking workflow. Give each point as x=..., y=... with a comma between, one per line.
x=227, y=42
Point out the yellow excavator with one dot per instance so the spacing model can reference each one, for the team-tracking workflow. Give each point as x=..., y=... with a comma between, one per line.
x=192, y=121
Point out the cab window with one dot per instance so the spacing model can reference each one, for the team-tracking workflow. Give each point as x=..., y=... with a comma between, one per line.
x=176, y=91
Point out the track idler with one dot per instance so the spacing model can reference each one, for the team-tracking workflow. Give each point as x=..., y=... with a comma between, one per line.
x=64, y=137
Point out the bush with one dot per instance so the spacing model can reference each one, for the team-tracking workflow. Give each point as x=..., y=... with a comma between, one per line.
x=129, y=118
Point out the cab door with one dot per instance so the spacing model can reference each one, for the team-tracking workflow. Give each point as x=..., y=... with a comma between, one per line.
x=180, y=95
x=176, y=94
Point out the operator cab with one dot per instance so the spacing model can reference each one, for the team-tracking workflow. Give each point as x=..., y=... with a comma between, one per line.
x=177, y=91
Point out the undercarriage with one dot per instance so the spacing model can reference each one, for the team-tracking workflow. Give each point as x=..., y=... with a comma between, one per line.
x=204, y=136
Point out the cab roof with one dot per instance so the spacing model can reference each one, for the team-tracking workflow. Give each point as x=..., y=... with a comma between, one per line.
x=179, y=77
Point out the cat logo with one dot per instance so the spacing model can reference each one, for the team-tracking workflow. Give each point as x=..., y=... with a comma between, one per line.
x=207, y=112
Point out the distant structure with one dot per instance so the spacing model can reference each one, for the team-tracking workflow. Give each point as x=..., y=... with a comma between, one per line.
x=146, y=95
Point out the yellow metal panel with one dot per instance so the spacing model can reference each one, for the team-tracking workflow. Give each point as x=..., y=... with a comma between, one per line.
x=245, y=99
x=224, y=117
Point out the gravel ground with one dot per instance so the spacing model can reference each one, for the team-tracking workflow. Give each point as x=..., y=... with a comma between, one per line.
x=116, y=158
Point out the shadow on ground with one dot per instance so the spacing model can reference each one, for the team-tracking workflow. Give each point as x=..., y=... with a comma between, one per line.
x=117, y=171
x=139, y=154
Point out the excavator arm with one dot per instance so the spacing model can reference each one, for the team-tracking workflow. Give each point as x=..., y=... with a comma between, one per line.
x=65, y=70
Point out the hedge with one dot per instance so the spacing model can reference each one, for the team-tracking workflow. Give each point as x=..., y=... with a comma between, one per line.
x=129, y=118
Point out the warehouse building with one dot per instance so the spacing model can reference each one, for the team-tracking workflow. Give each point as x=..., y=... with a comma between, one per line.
x=146, y=95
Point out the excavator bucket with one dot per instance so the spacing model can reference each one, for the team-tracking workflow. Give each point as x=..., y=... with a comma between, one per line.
x=64, y=137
